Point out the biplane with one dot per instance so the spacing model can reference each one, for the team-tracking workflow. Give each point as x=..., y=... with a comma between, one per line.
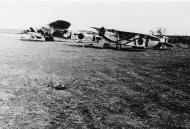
x=51, y=32
x=130, y=40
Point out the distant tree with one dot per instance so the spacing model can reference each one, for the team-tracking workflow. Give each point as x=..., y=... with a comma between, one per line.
x=160, y=31
x=151, y=32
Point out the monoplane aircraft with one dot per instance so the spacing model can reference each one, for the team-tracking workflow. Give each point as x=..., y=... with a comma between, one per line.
x=130, y=40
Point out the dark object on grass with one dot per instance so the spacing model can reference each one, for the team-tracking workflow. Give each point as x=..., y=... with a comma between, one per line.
x=57, y=87
x=60, y=87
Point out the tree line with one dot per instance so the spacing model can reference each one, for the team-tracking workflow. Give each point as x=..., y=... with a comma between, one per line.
x=172, y=38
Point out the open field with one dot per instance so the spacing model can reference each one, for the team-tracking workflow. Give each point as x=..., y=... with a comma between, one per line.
x=104, y=88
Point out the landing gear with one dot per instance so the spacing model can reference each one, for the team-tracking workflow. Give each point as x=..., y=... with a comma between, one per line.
x=48, y=37
x=106, y=45
x=118, y=47
x=90, y=45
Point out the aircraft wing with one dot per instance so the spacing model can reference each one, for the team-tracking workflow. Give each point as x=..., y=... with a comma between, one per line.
x=143, y=35
x=60, y=25
x=126, y=33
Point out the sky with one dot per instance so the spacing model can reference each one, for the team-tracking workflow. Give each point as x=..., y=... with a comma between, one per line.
x=134, y=16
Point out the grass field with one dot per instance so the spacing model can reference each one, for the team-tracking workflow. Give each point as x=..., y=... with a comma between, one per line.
x=104, y=88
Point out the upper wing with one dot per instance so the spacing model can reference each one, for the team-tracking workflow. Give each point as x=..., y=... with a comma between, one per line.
x=128, y=34
x=140, y=34
x=60, y=24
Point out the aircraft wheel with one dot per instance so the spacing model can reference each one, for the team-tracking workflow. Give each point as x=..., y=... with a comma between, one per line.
x=90, y=45
x=118, y=47
x=105, y=45
x=140, y=41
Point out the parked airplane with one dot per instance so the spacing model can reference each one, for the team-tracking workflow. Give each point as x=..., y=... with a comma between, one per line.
x=55, y=30
x=85, y=37
x=130, y=40
x=31, y=35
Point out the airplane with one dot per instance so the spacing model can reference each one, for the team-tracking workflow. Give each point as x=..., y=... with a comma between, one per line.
x=85, y=37
x=51, y=32
x=31, y=35
x=130, y=40
x=60, y=30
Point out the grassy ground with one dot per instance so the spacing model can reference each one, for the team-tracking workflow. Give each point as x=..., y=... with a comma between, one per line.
x=105, y=89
